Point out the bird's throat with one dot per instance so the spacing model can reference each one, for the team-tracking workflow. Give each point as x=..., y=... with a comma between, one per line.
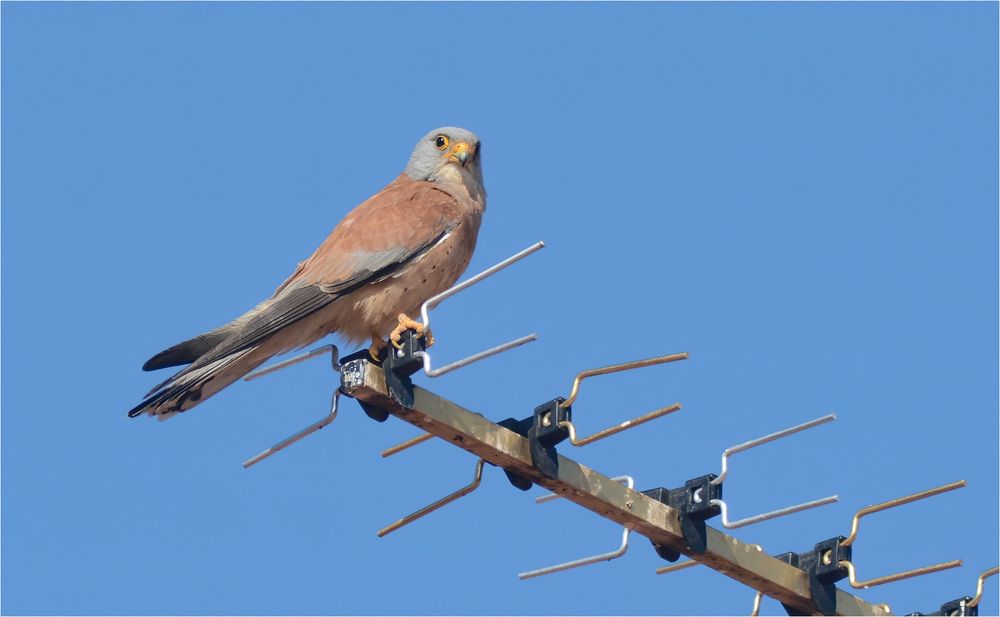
x=464, y=178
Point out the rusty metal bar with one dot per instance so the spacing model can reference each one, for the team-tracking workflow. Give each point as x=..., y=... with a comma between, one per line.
x=616, y=368
x=895, y=503
x=406, y=445
x=852, y=576
x=440, y=503
x=614, y=430
x=594, y=491
x=979, y=585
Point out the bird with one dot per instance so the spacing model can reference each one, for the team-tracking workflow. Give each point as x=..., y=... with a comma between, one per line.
x=405, y=244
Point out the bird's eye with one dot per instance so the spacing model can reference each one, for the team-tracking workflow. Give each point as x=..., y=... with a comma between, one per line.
x=441, y=142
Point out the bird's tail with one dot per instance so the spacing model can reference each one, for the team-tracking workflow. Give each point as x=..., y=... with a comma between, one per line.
x=196, y=383
x=191, y=349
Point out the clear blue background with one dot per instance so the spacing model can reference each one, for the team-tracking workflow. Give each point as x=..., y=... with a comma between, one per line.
x=802, y=196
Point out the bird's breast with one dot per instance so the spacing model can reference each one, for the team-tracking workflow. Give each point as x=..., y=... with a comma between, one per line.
x=372, y=310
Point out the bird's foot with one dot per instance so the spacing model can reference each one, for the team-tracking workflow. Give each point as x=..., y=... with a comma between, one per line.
x=406, y=323
x=376, y=349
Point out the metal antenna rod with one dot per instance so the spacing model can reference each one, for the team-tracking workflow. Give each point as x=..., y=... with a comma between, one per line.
x=753, y=443
x=766, y=516
x=979, y=585
x=309, y=430
x=444, y=295
x=892, y=578
x=684, y=565
x=315, y=426
x=406, y=445
x=440, y=503
x=750, y=520
x=614, y=430
x=629, y=482
x=425, y=357
x=289, y=362
x=586, y=561
x=893, y=503
x=616, y=368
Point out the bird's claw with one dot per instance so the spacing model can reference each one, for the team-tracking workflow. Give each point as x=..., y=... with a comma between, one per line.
x=406, y=323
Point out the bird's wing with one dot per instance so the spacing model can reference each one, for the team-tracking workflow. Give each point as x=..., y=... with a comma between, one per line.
x=374, y=242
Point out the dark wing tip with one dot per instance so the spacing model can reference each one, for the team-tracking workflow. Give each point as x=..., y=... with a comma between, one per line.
x=137, y=410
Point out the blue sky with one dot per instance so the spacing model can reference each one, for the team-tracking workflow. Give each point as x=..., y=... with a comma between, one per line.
x=801, y=196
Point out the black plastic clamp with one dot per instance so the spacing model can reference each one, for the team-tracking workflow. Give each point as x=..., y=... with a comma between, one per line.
x=543, y=432
x=958, y=608
x=822, y=564
x=521, y=427
x=399, y=363
x=693, y=502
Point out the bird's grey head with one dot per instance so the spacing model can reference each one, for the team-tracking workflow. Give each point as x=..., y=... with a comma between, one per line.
x=448, y=154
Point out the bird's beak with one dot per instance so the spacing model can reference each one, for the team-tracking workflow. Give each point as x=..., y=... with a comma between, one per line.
x=460, y=153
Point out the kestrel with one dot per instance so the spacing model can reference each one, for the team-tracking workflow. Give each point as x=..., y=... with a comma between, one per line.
x=408, y=242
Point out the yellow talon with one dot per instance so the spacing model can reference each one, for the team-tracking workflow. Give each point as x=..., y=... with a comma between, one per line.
x=406, y=323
